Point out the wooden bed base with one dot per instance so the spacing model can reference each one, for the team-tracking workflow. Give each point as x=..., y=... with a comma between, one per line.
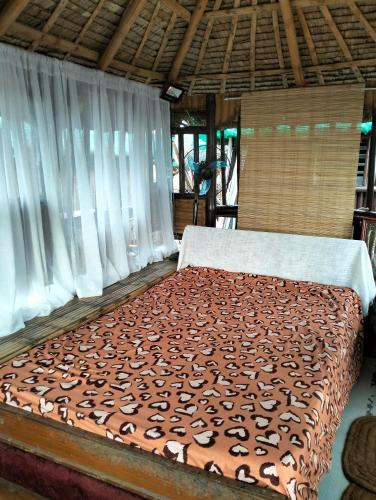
x=128, y=468
x=125, y=467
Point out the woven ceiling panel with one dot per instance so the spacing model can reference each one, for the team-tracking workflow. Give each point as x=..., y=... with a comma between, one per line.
x=300, y=150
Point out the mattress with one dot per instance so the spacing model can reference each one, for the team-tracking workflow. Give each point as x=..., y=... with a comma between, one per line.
x=241, y=375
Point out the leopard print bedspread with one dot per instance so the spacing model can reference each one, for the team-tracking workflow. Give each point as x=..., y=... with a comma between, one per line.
x=241, y=375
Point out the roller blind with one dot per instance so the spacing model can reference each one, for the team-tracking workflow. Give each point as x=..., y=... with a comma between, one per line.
x=300, y=151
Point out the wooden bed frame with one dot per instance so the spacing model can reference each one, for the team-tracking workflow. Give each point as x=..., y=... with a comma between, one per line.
x=128, y=468
x=125, y=467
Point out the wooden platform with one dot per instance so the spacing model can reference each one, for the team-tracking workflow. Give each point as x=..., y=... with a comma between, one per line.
x=125, y=467
x=11, y=491
x=130, y=469
x=78, y=311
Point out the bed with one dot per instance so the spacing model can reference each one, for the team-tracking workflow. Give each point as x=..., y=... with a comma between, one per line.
x=239, y=364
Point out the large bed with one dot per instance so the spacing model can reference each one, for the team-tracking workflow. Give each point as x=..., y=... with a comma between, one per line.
x=221, y=366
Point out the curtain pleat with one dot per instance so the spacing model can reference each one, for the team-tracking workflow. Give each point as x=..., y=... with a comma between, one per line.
x=85, y=183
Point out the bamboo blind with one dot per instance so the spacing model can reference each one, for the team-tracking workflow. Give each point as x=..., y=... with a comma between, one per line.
x=183, y=213
x=300, y=151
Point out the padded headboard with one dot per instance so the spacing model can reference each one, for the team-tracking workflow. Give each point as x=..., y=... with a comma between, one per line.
x=331, y=261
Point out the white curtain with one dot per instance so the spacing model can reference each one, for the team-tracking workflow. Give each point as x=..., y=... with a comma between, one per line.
x=85, y=183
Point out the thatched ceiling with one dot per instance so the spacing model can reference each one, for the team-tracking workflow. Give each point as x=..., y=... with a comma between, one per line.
x=204, y=45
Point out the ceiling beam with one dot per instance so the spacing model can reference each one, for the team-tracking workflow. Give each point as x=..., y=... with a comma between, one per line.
x=278, y=45
x=267, y=7
x=79, y=50
x=204, y=44
x=85, y=53
x=87, y=25
x=127, y=20
x=240, y=11
x=9, y=13
x=310, y=43
x=275, y=72
x=187, y=39
x=340, y=40
x=178, y=9
x=230, y=44
x=358, y=14
x=51, y=21
x=292, y=42
x=252, y=49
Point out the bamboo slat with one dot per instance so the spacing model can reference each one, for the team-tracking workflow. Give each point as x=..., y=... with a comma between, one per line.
x=299, y=158
x=79, y=311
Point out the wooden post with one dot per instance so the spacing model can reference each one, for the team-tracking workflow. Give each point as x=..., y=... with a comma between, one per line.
x=238, y=139
x=371, y=165
x=223, y=170
x=196, y=147
x=181, y=163
x=211, y=156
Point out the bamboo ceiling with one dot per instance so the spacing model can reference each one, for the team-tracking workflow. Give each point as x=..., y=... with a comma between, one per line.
x=220, y=46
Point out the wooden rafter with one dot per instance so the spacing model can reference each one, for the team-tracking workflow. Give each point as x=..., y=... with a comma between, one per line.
x=178, y=9
x=230, y=44
x=358, y=14
x=204, y=44
x=87, y=25
x=317, y=3
x=267, y=7
x=278, y=45
x=51, y=21
x=164, y=43
x=309, y=41
x=128, y=18
x=340, y=40
x=146, y=33
x=188, y=38
x=252, y=53
x=63, y=45
x=241, y=75
x=9, y=13
x=19, y=29
x=292, y=42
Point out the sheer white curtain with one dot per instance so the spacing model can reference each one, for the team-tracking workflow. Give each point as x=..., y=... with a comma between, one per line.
x=85, y=181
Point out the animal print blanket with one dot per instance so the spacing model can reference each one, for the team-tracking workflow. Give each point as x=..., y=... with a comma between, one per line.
x=241, y=375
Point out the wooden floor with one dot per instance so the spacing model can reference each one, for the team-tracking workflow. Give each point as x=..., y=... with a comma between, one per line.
x=78, y=311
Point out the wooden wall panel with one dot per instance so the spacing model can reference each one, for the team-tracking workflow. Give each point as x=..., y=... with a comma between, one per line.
x=369, y=105
x=227, y=111
x=300, y=151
